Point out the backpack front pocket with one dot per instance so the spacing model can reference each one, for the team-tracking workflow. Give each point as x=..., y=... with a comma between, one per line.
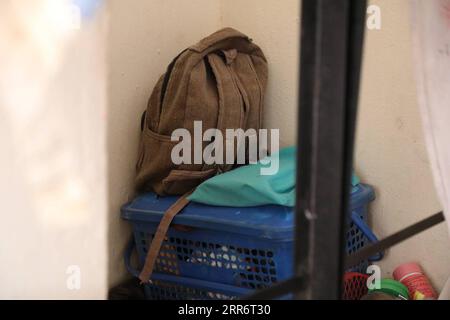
x=154, y=161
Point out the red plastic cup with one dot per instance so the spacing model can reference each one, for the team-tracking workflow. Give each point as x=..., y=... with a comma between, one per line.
x=413, y=277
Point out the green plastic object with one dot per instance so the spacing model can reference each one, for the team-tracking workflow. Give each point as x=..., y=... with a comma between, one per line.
x=247, y=187
x=392, y=288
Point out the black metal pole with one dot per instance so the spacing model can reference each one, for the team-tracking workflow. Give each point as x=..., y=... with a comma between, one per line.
x=331, y=42
x=296, y=284
x=331, y=45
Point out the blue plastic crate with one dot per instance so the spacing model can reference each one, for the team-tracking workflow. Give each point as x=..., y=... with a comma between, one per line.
x=223, y=252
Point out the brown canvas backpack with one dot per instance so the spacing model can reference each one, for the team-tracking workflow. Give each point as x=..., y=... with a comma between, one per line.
x=220, y=81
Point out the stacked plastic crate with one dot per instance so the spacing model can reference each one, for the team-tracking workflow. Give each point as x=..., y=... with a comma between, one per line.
x=223, y=252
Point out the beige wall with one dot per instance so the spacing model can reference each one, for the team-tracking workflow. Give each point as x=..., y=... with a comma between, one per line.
x=275, y=28
x=391, y=153
x=141, y=44
x=65, y=209
x=144, y=37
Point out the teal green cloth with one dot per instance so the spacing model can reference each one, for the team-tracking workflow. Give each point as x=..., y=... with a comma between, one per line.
x=355, y=182
x=247, y=187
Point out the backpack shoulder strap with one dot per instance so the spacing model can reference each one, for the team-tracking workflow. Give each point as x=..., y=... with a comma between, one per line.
x=216, y=37
x=159, y=236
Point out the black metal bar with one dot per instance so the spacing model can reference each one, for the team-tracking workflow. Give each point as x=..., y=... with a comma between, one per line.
x=354, y=62
x=312, y=252
x=394, y=239
x=296, y=285
x=331, y=45
x=308, y=62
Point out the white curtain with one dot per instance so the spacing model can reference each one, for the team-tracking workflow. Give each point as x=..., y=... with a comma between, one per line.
x=53, y=152
x=431, y=35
